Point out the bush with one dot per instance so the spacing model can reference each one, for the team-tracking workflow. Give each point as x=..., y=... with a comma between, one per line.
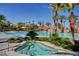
x=32, y=34
x=11, y=40
x=26, y=38
x=63, y=42
x=15, y=40
x=44, y=39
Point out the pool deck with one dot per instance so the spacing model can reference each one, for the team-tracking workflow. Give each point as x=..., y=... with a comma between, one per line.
x=4, y=51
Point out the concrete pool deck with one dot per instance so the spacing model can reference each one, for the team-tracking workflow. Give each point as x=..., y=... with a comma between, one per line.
x=11, y=51
x=4, y=51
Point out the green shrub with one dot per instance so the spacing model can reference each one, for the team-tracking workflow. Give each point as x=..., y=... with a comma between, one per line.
x=26, y=38
x=48, y=39
x=15, y=40
x=63, y=42
x=32, y=34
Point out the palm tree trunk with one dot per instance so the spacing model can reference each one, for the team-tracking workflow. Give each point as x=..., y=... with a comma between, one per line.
x=64, y=27
x=61, y=27
x=72, y=25
x=56, y=22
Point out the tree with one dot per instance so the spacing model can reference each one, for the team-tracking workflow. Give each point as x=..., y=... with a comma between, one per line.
x=49, y=26
x=33, y=26
x=20, y=25
x=32, y=34
x=62, y=18
x=48, y=23
x=72, y=19
x=2, y=18
x=57, y=7
x=7, y=25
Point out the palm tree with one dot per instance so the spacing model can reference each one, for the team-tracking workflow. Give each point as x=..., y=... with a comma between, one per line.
x=34, y=27
x=49, y=27
x=48, y=23
x=72, y=19
x=57, y=7
x=61, y=17
x=64, y=25
x=40, y=24
x=7, y=25
x=20, y=25
x=29, y=25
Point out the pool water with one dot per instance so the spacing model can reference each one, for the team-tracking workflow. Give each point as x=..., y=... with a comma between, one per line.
x=33, y=48
x=40, y=34
x=23, y=33
x=68, y=35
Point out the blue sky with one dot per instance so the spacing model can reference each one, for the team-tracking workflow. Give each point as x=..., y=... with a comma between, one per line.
x=24, y=12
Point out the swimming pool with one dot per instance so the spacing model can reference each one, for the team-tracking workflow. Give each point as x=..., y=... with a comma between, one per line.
x=33, y=48
x=23, y=33
x=40, y=34
x=68, y=35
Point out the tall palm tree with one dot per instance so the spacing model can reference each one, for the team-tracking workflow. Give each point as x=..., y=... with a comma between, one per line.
x=64, y=25
x=49, y=25
x=72, y=18
x=57, y=7
x=62, y=19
